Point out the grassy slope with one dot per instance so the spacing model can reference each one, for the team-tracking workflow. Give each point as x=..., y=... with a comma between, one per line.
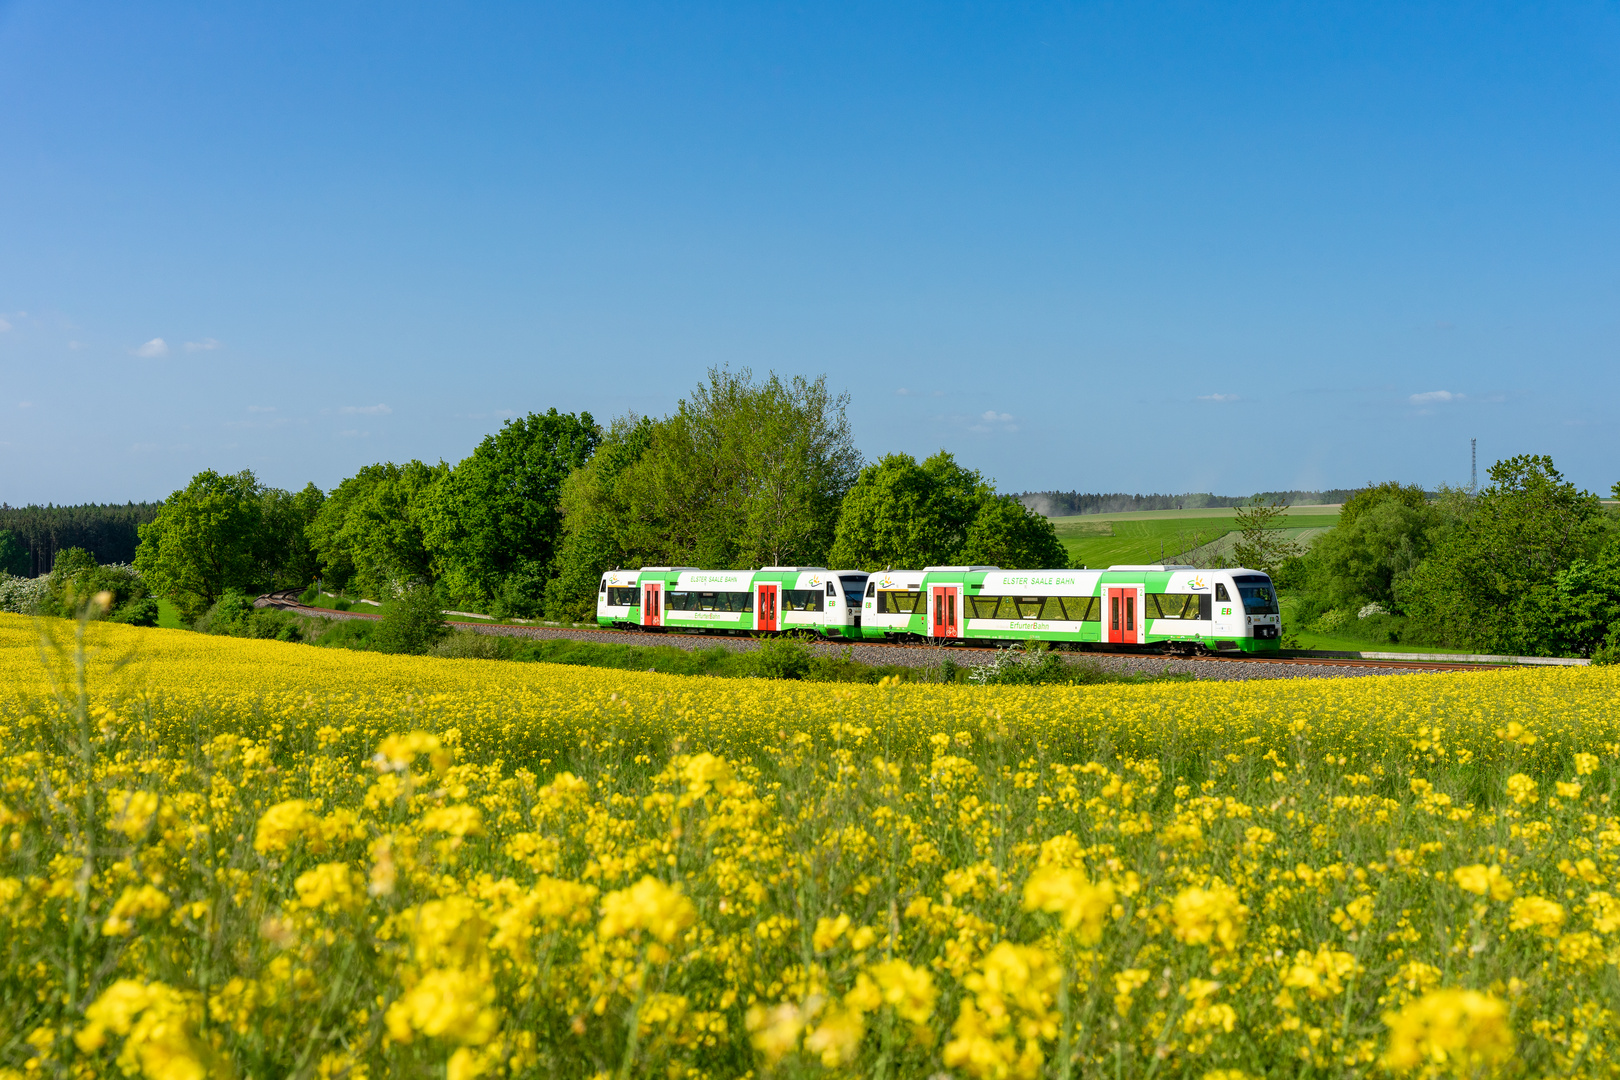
x=169, y=616
x=1141, y=536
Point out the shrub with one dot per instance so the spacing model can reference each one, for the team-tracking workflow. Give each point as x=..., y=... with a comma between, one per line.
x=342, y=604
x=467, y=645
x=1030, y=664
x=781, y=658
x=347, y=634
x=22, y=596
x=142, y=612
x=1331, y=622
x=229, y=612
x=76, y=578
x=233, y=615
x=310, y=595
x=412, y=624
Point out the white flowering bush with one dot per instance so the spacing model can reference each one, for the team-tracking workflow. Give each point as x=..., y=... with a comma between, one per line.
x=20, y=595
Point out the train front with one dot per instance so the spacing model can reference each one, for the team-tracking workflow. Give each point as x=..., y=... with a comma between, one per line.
x=1246, y=615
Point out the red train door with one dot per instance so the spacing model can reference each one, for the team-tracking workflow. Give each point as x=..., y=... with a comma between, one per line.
x=652, y=607
x=765, y=608
x=1122, y=620
x=945, y=616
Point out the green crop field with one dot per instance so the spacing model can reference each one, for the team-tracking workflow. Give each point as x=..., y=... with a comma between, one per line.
x=1150, y=536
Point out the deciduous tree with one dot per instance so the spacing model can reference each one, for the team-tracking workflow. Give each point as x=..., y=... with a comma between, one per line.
x=493, y=524
x=203, y=540
x=368, y=533
x=904, y=514
x=1502, y=577
x=1008, y=534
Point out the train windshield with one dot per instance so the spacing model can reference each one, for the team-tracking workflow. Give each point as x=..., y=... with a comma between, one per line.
x=853, y=584
x=1258, y=599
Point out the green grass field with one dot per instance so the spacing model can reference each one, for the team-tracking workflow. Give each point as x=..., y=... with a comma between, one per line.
x=1150, y=536
x=169, y=616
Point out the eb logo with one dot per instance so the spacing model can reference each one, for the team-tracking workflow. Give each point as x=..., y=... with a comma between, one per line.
x=1226, y=611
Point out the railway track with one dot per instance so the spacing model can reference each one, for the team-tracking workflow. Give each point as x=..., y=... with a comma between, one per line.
x=288, y=600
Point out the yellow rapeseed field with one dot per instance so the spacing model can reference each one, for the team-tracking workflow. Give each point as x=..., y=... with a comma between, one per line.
x=222, y=857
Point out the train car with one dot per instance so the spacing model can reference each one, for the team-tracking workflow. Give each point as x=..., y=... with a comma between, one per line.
x=1173, y=608
x=775, y=599
x=1170, y=608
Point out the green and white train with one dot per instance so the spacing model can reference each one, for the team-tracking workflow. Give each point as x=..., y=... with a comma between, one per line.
x=1177, y=609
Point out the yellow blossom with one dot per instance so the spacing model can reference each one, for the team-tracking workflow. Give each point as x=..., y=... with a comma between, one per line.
x=1462, y=1030
x=648, y=905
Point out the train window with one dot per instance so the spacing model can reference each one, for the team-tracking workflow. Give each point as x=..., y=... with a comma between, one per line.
x=831, y=590
x=801, y=599
x=1258, y=599
x=1221, y=594
x=899, y=601
x=1171, y=606
x=619, y=597
x=603, y=589
x=1029, y=607
x=1082, y=609
x=871, y=589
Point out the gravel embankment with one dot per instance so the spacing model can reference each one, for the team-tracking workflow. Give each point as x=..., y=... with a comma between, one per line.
x=900, y=656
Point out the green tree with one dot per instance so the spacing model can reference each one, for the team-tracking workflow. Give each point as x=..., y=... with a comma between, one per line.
x=368, y=533
x=745, y=472
x=1261, y=544
x=904, y=514
x=14, y=558
x=1008, y=534
x=492, y=524
x=1382, y=535
x=1493, y=582
x=412, y=624
x=286, y=557
x=203, y=540
x=600, y=530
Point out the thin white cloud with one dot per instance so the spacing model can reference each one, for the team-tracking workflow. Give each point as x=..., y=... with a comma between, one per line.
x=202, y=346
x=1218, y=397
x=365, y=410
x=25, y=404
x=1432, y=397
x=4, y=326
x=261, y=408
x=154, y=348
x=990, y=420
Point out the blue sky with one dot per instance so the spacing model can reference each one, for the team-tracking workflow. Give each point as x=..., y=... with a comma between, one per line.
x=1100, y=246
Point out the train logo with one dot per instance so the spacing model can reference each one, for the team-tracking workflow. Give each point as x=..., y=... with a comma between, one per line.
x=613, y=579
x=885, y=582
x=815, y=581
x=1198, y=583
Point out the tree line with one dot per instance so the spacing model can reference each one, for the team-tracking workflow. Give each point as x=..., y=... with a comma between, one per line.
x=744, y=472
x=1530, y=565
x=31, y=537
x=1075, y=503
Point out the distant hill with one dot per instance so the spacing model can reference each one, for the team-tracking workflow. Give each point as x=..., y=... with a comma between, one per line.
x=1070, y=503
